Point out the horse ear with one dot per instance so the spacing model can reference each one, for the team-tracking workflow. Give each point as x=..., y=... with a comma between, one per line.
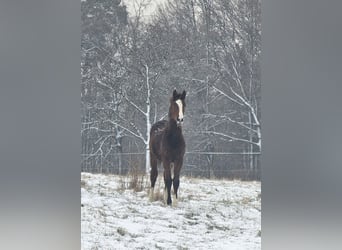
x=183, y=95
x=175, y=94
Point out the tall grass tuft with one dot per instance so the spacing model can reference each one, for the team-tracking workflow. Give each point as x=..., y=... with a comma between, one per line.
x=135, y=179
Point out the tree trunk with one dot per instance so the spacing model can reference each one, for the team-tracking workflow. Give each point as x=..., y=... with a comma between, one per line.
x=148, y=122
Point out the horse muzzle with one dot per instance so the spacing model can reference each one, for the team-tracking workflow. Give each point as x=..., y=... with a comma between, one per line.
x=179, y=123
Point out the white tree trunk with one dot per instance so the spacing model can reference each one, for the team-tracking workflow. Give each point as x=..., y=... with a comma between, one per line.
x=250, y=145
x=148, y=122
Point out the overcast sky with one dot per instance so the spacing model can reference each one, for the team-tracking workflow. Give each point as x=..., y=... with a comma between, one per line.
x=148, y=11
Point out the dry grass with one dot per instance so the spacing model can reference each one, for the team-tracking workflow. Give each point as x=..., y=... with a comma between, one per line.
x=159, y=190
x=121, y=231
x=138, y=181
x=83, y=183
x=135, y=179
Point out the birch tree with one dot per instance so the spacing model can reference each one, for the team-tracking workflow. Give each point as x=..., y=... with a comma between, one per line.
x=146, y=55
x=223, y=71
x=130, y=64
x=238, y=64
x=103, y=33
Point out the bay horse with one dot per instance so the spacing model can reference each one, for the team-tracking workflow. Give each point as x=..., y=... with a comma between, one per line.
x=167, y=146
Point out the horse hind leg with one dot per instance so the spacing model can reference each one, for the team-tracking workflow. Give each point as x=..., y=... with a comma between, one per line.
x=153, y=175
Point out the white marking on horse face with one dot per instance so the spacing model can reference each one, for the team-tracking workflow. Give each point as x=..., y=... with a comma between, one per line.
x=180, y=108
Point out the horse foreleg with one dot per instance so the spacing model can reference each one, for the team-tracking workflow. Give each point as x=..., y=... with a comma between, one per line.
x=168, y=184
x=175, y=190
x=177, y=168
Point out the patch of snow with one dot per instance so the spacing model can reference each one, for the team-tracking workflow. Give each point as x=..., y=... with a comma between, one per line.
x=211, y=214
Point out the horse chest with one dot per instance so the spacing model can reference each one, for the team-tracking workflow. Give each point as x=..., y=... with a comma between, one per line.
x=173, y=146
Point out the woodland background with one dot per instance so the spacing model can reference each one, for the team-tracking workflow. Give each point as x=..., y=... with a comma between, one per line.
x=132, y=59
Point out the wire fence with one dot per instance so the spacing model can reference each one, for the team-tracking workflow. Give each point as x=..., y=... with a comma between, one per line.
x=232, y=165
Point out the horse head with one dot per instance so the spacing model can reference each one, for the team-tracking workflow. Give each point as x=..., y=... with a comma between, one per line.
x=177, y=107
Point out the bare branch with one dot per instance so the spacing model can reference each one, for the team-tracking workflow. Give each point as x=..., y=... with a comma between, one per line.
x=226, y=95
x=231, y=120
x=227, y=136
x=135, y=106
x=97, y=129
x=237, y=77
x=137, y=135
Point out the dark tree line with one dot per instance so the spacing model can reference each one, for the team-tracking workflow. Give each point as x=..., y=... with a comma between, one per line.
x=130, y=65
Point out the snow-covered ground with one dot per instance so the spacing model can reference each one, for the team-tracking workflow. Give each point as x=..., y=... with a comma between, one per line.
x=211, y=214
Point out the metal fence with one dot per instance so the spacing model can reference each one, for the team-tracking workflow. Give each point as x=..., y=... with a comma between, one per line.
x=232, y=165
